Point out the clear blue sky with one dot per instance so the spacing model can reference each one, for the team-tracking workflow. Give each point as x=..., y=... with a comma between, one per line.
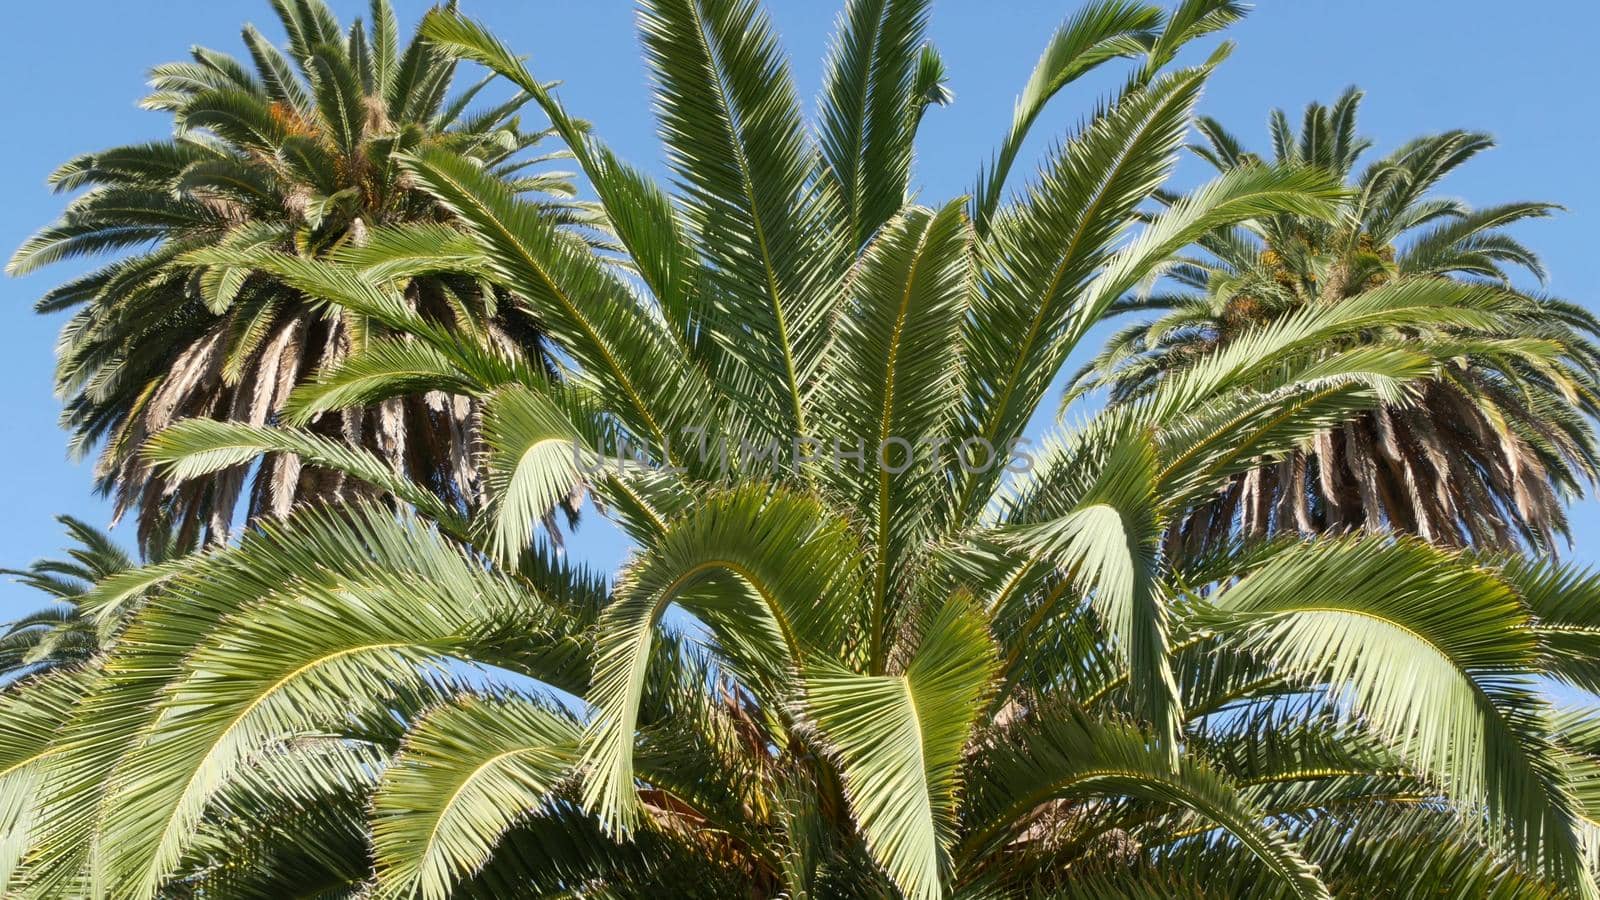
x=1522, y=71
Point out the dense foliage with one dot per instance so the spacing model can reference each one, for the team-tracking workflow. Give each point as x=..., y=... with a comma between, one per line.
x=870, y=642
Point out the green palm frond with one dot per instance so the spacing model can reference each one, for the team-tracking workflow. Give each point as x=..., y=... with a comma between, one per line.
x=891, y=384
x=1343, y=610
x=201, y=446
x=607, y=333
x=1097, y=33
x=732, y=127
x=899, y=741
x=870, y=109
x=771, y=611
x=357, y=646
x=1071, y=757
x=465, y=775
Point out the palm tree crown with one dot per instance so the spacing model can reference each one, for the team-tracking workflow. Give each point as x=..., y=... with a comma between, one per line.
x=65, y=632
x=1487, y=453
x=868, y=643
x=295, y=151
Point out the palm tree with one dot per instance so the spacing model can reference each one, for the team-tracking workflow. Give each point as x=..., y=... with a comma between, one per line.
x=66, y=633
x=296, y=151
x=1485, y=454
x=951, y=665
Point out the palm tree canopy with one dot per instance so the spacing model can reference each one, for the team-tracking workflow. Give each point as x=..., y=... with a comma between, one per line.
x=295, y=150
x=61, y=633
x=868, y=644
x=1487, y=453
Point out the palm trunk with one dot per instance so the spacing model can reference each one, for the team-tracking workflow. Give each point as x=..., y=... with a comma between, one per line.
x=1364, y=472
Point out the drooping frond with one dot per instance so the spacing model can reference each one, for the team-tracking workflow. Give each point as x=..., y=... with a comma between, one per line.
x=1073, y=758
x=795, y=592
x=1350, y=612
x=465, y=775
x=899, y=742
